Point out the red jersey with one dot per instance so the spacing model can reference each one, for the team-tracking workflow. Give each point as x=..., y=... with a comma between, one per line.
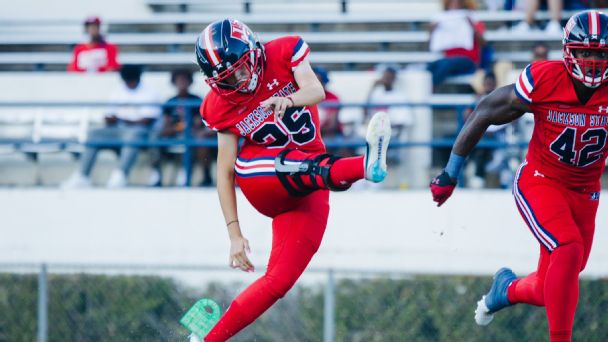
x=98, y=57
x=299, y=127
x=569, y=139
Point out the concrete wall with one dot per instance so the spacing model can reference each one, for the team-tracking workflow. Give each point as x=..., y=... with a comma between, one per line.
x=474, y=233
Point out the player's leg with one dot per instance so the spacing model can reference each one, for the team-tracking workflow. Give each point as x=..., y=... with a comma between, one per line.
x=585, y=210
x=530, y=289
x=566, y=262
x=297, y=235
x=545, y=207
x=561, y=289
x=302, y=173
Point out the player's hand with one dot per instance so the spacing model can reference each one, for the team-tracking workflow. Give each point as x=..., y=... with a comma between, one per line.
x=442, y=187
x=278, y=105
x=239, y=248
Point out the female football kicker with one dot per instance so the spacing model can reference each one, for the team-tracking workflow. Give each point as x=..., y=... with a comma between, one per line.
x=266, y=95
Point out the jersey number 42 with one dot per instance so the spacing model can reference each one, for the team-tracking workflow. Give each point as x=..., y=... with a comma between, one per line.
x=592, y=141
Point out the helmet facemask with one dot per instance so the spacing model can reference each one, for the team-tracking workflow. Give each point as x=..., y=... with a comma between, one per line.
x=591, y=72
x=231, y=83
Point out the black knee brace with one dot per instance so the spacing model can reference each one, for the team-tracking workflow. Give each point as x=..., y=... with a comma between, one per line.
x=313, y=168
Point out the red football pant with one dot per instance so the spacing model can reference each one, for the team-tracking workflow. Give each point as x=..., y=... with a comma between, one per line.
x=563, y=221
x=298, y=226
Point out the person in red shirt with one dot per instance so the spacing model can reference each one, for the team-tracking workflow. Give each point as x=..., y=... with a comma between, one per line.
x=329, y=116
x=97, y=55
x=557, y=188
x=266, y=96
x=458, y=38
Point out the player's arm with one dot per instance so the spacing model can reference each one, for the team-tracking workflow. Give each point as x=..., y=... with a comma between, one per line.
x=310, y=91
x=499, y=107
x=226, y=157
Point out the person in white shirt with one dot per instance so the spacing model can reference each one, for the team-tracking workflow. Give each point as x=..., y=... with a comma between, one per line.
x=135, y=108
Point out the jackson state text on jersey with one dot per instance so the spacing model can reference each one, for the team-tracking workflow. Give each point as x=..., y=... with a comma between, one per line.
x=569, y=139
x=298, y=127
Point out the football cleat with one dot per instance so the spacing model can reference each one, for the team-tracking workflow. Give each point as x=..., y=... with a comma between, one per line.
x=496, y=299
x=377, y=137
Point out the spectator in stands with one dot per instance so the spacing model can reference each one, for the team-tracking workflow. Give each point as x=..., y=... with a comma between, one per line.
x=129, y=120
x=383, y=94
x=383, y=90
x=554, y=26
x=181, y=107
x=540, y=52
x=328, y=116
x=458, y=38
x=97, y=55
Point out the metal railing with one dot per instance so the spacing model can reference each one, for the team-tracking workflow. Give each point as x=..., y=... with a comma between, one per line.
x=189, y=142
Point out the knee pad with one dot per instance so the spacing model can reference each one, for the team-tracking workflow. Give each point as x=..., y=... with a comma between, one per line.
x=316, y=169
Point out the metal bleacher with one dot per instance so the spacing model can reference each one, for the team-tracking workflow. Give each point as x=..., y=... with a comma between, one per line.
x=354, y=39
x=349, y=39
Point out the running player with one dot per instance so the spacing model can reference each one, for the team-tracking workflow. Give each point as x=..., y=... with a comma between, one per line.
x=267, y=96
x=557, y=188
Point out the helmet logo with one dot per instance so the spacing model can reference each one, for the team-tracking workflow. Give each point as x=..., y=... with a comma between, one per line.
x=238, y=31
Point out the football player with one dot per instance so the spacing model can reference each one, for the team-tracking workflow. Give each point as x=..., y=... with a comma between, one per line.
x=266, y=96
x=557, y=187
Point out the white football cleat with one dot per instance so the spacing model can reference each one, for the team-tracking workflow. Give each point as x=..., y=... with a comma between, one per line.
x=377, y=137
x=482, y=313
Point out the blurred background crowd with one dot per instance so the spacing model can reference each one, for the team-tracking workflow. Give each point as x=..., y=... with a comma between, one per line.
x=124, y=95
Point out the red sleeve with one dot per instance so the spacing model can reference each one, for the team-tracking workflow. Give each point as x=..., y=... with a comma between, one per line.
x=293, y=50
x=214, y=113
x=113, y=64
x=480, y=27
x=73, y=66
x=528, y=85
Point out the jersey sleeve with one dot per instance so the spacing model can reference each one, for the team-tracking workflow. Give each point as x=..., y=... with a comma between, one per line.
x=214, y=113
x=534, y=82
x=207, y=116
x=294, y=50
x=524, y=86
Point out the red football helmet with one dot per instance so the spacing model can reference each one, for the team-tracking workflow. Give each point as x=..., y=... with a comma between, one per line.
x=586, y=34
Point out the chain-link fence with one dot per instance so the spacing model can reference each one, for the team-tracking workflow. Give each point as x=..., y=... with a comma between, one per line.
x=137, y=303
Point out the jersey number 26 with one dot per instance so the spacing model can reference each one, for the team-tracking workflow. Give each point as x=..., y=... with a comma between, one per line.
x=296, y=125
